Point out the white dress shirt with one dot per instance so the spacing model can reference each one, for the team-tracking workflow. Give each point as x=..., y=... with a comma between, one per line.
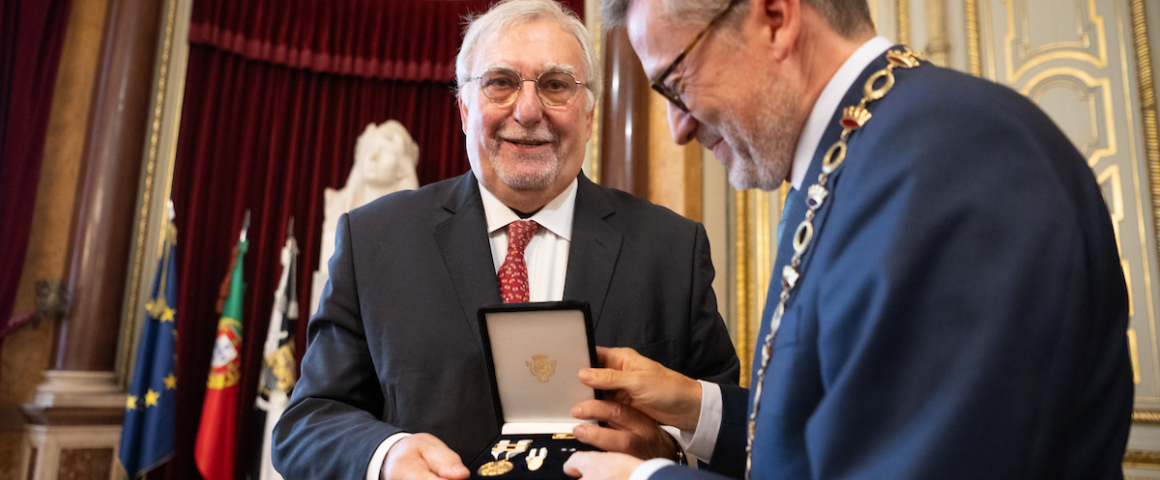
x=827, y=104
x=547, y=252
x=546, y=256
x=702, y=441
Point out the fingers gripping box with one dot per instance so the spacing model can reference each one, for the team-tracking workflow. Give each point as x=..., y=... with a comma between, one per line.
x=534, y=352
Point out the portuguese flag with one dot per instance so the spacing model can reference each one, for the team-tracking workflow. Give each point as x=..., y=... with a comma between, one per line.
x=216, y=436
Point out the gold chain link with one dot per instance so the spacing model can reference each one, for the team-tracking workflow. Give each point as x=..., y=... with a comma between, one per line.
x=853, y=117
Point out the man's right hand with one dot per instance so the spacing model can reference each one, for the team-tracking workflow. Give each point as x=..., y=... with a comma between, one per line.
x=631, y=379
x=422, y=457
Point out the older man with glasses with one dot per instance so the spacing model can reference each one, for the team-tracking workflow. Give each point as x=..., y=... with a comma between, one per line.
x=394, y=382
x=950, y=303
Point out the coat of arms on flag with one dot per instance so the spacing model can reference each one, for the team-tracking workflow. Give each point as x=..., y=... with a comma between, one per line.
x=278, y=366
x=216, y=435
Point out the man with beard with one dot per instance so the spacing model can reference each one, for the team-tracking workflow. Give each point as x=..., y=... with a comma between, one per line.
x=394, y=381
x=948, y=300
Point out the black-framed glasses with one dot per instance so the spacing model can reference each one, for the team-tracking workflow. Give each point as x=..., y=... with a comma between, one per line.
x=502, y=86
x=669, y=92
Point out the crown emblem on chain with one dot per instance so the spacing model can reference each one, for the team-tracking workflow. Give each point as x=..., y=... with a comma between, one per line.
x=854, y=116
x=905, y=58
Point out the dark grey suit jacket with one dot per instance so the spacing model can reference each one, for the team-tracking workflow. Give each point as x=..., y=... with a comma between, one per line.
x=395, y=344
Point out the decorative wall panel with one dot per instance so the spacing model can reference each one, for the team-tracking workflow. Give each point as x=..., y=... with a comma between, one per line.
x=85, y=464
x=1077, y=60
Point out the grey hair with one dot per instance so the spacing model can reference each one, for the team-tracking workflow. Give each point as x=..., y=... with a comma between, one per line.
x=507, y=13
x=848, y=18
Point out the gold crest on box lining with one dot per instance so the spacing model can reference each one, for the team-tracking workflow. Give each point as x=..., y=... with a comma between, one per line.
x=542, y=367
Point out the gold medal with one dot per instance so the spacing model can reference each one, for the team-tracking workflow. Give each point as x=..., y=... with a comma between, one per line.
x=498, y=467
x=535, y=458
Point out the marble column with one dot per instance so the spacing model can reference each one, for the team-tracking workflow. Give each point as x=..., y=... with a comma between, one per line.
x=625, y=128
x=75, y=416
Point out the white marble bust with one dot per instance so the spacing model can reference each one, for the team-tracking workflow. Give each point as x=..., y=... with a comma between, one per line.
x=384, y=162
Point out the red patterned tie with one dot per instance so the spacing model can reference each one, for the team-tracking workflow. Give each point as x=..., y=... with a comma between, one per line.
x=513, y=275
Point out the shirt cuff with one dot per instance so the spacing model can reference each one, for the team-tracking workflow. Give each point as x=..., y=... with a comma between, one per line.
x=675, y=432
x=376, y=466
x=701, y=442
x=649, y=467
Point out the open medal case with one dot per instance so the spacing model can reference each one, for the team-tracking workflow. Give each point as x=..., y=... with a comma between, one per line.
x=534, y=352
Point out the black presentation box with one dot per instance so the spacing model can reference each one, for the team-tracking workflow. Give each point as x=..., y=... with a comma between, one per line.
x=534, y=352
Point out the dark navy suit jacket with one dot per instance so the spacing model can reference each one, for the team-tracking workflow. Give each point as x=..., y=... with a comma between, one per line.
x=962, y=311
x=395, y=344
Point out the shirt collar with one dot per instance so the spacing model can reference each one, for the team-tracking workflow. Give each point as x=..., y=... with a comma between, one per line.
x=827, y=104
x=556, y=216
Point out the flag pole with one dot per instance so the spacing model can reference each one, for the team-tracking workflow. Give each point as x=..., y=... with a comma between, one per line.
x=245, y=226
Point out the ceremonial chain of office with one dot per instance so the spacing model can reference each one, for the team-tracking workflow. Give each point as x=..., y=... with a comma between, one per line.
x=853, y=117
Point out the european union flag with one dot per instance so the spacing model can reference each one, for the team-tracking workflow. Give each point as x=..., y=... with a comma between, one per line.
x=147, y=435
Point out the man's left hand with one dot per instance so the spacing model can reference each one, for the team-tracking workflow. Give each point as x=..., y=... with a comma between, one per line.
x=632, y=431
x=601, y=465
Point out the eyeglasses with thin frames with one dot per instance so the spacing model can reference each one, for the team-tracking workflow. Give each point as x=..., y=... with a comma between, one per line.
x=502, y=86
x=669, y=92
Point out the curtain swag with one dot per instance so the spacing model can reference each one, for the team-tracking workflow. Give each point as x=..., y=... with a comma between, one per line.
x=409, y=40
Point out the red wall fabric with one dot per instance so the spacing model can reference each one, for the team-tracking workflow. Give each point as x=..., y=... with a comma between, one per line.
x=31, y=36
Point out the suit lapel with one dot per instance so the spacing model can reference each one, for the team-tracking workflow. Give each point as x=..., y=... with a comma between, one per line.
x=594, y=249
x=797, y=211
x=462, y=240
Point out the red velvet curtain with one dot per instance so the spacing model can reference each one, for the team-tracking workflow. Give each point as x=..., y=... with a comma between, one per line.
x=277, y=92
x=31, y=35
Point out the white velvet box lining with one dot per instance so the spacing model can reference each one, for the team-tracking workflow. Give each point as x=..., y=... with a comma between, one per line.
x=537, y=356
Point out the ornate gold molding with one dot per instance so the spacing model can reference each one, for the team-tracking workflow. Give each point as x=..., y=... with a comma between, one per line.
x=1115, y=201
x=1138, y=458
x=130, y=315
x=902, y=13
x=1102, y=85
x=1049, y=52
x=743, y=281
x=754, y=257
x=1147, y=114
x=1147, y=417
x=595, y=30
x=938, y=47
x=974, y=50
x=763, y=261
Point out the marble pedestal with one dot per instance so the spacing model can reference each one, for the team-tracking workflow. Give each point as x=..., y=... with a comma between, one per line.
x=74, y=427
